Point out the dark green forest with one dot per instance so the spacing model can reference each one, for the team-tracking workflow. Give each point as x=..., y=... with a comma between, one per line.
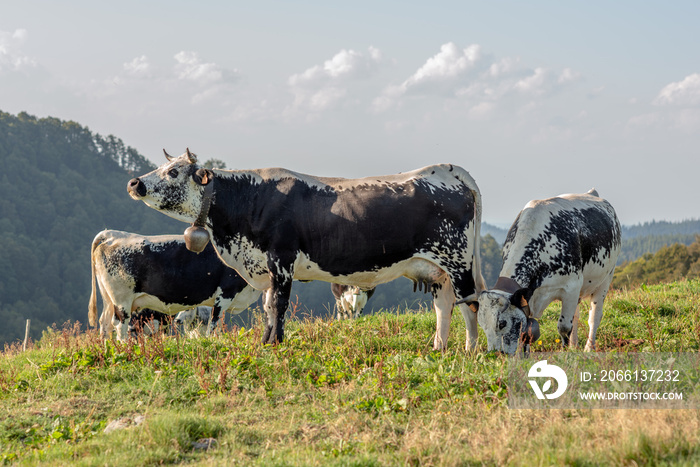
x=668, y=264
x=60, y=184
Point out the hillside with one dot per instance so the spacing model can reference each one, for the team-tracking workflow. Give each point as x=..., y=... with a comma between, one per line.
x=60, y=184
x=364, y=392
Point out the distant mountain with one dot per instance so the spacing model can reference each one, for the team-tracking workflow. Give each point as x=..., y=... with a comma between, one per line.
x=660, y=228
x=497, y=233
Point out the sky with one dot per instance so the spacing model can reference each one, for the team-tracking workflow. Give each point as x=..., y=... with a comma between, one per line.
x=534, y=98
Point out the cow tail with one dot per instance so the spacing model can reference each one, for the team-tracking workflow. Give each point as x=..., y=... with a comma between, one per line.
x=476, y=269
x=467, y=179
x=92, y=306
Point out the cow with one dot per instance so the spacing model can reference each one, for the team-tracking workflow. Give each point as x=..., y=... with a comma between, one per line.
x=147, y=322
x=158, y=272
x=274, y=226
x=563, y=248
x=194, y=320
x=350, y=300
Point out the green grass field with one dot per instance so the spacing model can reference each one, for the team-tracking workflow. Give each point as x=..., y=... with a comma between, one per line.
x=364, y=392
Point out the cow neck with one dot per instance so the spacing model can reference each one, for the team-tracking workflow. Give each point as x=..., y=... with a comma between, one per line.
x=506, y=284
x=207, y=198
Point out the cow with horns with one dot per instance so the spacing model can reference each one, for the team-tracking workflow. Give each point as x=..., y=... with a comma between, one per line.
x=274, y=226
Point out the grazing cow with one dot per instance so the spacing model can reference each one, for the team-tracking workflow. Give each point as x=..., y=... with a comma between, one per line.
x=148, y=322
x=158, y=272
x=563, y=248
x=350, y=300
x=274, y=226
x=194, y=320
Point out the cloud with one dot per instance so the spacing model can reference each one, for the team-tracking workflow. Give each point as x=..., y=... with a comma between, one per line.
x=449, y=63
x=11, y=56
x=326, y=86
x=681, y=93
x=139, y=67
x=478, y=78
x=211, y=80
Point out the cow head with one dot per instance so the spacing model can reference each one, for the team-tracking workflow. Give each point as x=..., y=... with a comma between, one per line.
x=505, y=319
x=356, y=299
x=175, y=188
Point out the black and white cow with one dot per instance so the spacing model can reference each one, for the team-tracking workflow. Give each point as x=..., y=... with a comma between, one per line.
x=147, y=322
x=195, y=320
x=158, y=272
x=274, y=226
x=350, y=300
x=563, y=248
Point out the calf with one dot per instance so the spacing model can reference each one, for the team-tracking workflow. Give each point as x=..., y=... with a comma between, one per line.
x=563, y=248
x=350, y=300
x=274, y=226
x=194, y=320
x=158, y=272
x=148, y=322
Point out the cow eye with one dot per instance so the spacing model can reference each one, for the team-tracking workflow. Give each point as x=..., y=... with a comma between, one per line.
x=172, y=173
x=502, y=323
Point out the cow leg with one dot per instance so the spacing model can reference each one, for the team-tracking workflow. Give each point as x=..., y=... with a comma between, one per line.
x=277, y=302
x=472, y=327
x=213, y=319
x=106, y=318
x=573, y=342
x=566, y=320
x=596, y=313
x=123, y=316
x=443, y=301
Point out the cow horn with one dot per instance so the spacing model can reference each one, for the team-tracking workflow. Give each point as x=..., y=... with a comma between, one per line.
x=191, y=157
x=167, y=156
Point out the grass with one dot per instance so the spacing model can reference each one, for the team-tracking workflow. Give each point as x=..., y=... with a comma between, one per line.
x=364, y=392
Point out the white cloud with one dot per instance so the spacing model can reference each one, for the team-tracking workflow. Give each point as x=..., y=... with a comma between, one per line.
x=326, y=86
x=190, y=68
x=139, y=67
x=450, y=62
x=11, y=56
x=475, y=77
x=681, y=93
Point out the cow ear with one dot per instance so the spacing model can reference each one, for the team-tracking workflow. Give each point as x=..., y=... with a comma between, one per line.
x=203, y=176
x=521, y=298
x=474, y=306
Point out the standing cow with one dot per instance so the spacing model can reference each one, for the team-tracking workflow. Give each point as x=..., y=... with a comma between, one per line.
x=563, y=248
x=275, y=225
x=158, y=272
x=350, y=300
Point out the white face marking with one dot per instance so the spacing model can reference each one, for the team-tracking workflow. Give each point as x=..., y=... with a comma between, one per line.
x=171, y=190
x=500, y=321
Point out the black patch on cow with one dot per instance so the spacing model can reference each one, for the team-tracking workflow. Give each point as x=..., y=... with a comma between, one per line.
x=173, y=274
x=360, y=228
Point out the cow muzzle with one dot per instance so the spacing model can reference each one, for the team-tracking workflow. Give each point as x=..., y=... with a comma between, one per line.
x=136, y=188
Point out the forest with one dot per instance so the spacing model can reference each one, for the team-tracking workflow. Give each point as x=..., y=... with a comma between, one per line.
x=60, y=184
